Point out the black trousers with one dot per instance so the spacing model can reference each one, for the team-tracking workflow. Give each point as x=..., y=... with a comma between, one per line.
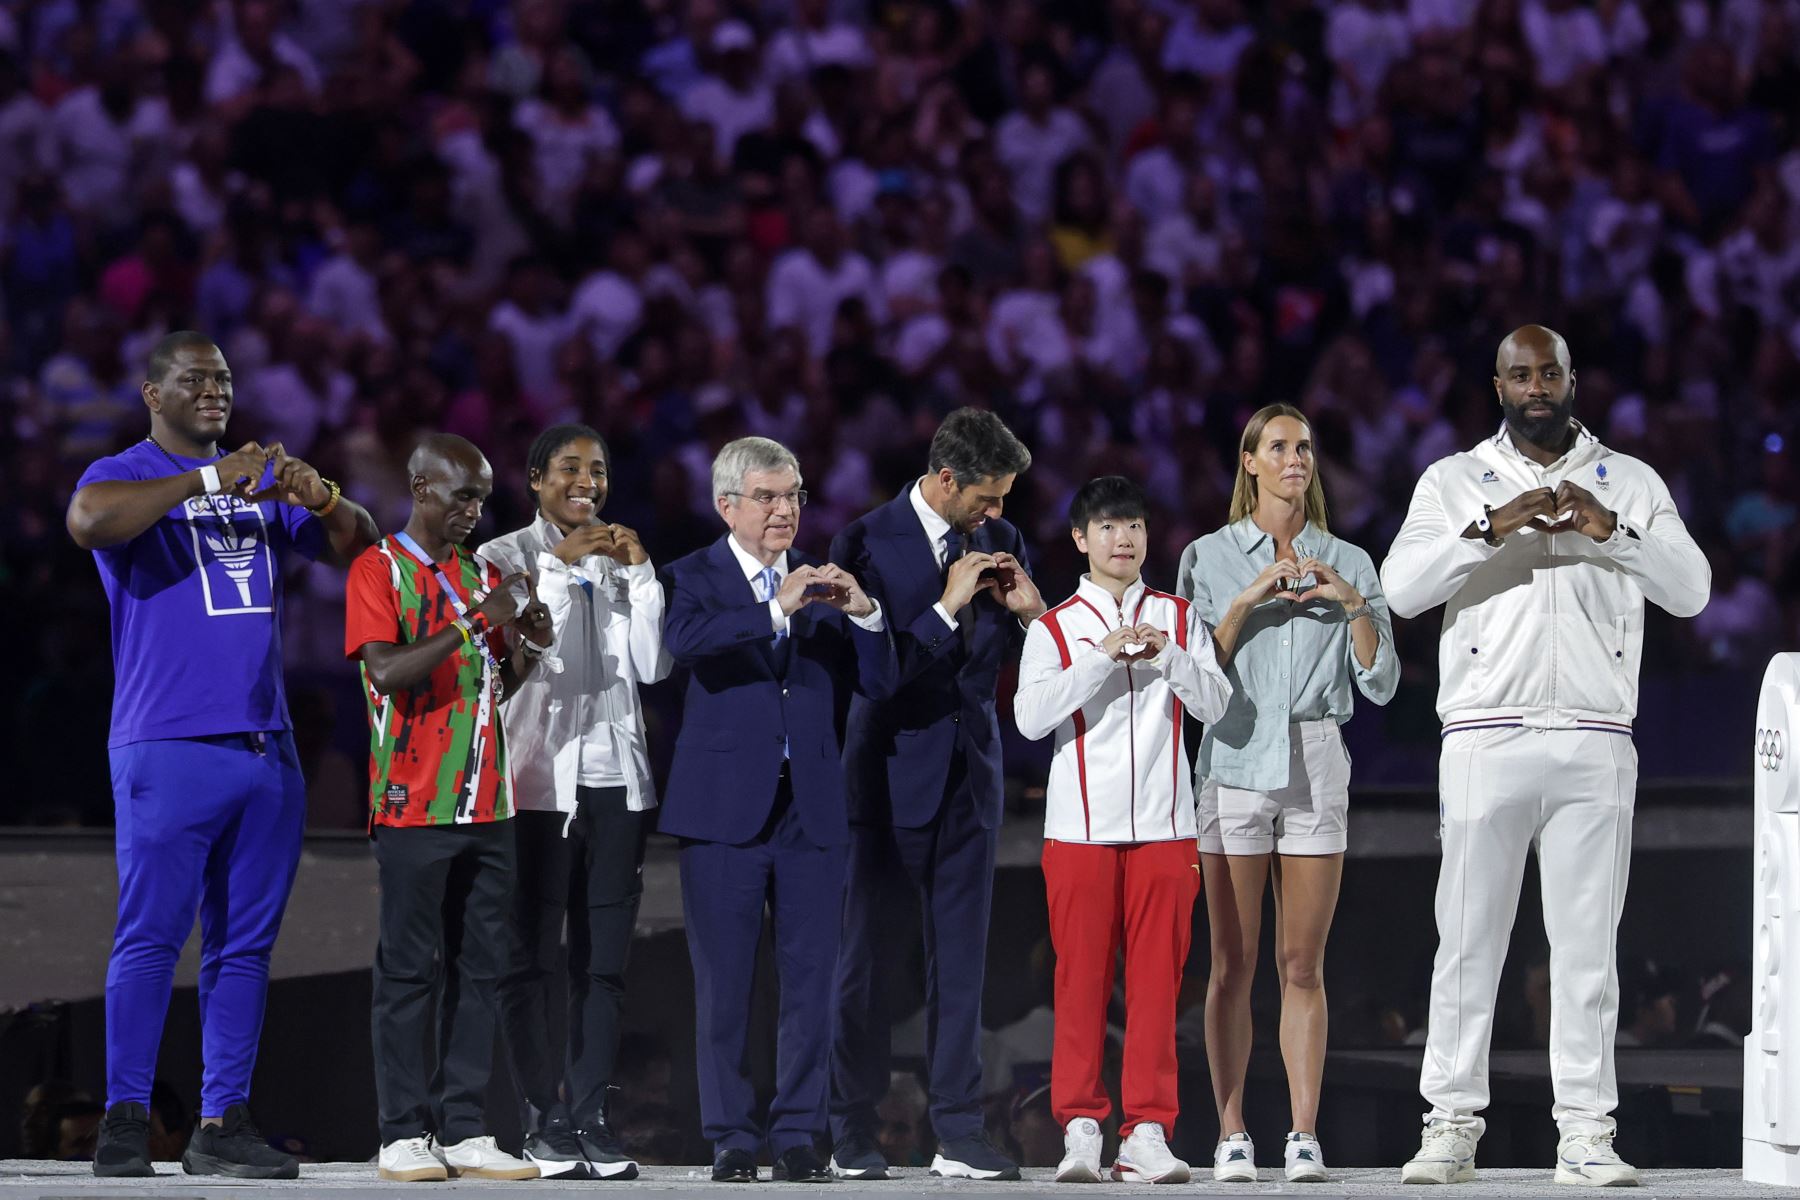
x=592, y=880
x=444, y=931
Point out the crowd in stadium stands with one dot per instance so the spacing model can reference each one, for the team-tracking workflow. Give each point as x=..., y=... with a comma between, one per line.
x=1123, y=225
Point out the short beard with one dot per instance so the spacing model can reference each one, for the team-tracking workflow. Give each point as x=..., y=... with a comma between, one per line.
x=1551, y=431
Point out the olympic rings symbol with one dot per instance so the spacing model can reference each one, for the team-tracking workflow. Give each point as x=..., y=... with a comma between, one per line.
x=1770, y=747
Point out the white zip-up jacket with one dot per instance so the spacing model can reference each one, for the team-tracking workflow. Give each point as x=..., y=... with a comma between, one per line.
x=1545, y=630
x=1119, y=773
x=564, y=724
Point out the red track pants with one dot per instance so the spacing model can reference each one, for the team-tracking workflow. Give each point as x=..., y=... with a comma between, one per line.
x=1142, y=894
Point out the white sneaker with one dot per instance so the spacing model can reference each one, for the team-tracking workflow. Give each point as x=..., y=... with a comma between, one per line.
x=1144, y=1157
x=1302, y=1159
x=1081, y=1152
x=481, y=1158
x=1589, y=1160
x=1446, y=1155
x=1234, y=1160
x=410, y=1160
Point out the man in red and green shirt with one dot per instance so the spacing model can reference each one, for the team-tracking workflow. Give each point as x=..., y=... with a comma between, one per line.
x=442, y=640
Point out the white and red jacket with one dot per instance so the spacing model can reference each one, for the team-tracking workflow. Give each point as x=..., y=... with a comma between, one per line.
x=1119, y=773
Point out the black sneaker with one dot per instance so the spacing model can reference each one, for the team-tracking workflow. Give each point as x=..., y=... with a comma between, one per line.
x=123, y=1148
x=972, y=1158
x=236, y=1147
x=557, y=1151
x=604, y=1153
x=858, y=1157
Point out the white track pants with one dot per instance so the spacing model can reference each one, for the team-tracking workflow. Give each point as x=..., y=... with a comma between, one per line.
x=1570, y=794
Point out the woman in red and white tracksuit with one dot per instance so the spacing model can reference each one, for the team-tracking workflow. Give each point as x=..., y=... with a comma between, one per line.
x=1109, y=671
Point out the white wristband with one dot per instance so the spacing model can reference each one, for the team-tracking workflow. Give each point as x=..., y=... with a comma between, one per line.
x=209, y=479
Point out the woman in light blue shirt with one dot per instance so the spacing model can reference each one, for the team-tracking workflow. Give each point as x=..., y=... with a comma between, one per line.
x=1297, y=616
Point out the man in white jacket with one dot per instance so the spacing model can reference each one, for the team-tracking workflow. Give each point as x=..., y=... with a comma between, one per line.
x=1110, y=671
x=583, y=793
x=1542, y=545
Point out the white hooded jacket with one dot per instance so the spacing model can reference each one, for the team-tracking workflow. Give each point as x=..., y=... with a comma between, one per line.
x=1545, y=630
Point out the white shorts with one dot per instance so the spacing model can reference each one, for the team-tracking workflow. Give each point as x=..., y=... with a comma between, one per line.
x=1311, y=815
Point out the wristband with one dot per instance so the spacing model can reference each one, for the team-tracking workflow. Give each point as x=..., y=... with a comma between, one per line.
x=462, y=627
x=1484, y=525
x=209, y=479
x=324, y=510
x=532, y=649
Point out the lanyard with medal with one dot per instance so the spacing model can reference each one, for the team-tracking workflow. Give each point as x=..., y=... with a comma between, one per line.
x=490, y=665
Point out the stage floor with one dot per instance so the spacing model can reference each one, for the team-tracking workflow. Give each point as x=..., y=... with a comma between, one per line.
x=347, y=1181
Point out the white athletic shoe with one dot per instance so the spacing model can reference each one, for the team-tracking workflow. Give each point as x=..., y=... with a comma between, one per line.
x=1589, y=1160
x=1302, y=1159
x=1144, y=1157
x=410, y=1160
x=481, y=1158
x=1234, y=1160
x=1446, y=1155
x=1081, y=1152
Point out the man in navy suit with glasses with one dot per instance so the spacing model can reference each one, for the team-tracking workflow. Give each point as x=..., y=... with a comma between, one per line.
x=774, y=644
x=924, y=774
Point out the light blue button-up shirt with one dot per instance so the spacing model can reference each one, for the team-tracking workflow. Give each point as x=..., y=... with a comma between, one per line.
x=1293, y=662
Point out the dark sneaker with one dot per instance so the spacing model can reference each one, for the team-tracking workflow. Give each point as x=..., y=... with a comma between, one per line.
x=236, y=1147
x=556, y=1151
x=857, y=1157
x=604, y=1153
x=123, y=1148
x=972, y=1158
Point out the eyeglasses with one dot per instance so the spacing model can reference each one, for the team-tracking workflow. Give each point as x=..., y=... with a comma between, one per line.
x=770, y=501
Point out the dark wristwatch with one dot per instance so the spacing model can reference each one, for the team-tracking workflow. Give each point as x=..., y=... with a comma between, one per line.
x=1484, y=525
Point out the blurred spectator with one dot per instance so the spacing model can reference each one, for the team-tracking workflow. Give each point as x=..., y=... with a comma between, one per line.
x=40, y=1117
x=1124, y=226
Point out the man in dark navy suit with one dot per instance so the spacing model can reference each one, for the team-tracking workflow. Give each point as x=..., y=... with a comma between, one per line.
x=773, y=643
x=923, y=768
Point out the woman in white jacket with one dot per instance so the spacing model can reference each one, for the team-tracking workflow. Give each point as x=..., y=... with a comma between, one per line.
x=583, y=795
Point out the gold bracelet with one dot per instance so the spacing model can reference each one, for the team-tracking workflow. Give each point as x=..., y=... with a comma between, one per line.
x=324, y=510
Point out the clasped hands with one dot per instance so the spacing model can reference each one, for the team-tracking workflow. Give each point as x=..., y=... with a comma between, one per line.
x=1134, y=643
x=1000, y=575
x=830, y=585
x=1570, y=508
x=292, y=481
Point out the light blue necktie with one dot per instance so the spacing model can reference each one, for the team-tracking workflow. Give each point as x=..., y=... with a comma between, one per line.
x=767, y=583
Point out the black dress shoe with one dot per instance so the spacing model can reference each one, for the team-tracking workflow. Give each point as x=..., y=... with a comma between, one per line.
x=798, y=1164
x=734, y=1166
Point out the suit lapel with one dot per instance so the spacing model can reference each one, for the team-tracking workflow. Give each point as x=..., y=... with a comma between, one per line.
x=729, y=578
x=914, y=572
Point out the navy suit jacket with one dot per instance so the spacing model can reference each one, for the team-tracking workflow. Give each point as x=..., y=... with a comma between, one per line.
x=745, y=700
x=898, y=749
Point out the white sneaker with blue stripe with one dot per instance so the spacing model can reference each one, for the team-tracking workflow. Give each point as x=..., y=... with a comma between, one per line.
x=1234, y=1160
x=1446, y=1155
x=1589, y=1160
x=1302, y=1160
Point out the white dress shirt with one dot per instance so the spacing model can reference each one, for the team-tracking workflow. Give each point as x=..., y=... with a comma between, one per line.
x=935, y=529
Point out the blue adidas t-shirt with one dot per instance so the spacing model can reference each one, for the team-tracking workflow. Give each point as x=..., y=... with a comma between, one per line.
x=196, y=608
